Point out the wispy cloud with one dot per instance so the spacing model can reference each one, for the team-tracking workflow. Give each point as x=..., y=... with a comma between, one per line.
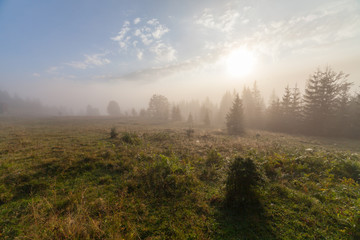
x=121, y=36
x=146, y=39
x=137, y=20
x=90, y=61
x=163, y=52
x=223, y=22
x=53, y=69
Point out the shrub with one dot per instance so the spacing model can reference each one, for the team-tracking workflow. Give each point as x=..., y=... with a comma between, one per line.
x=113, y=132
x=130, y=138
x=190, y=132
x=242, y=182
x=348, y=169
x=166, y=177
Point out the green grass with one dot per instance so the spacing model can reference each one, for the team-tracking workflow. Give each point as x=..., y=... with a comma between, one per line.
x=65, y=178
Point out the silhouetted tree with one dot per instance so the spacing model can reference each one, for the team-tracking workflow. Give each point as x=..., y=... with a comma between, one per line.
x=234, y=119
x=159, y=108
x=113, y=109
x=321, y=96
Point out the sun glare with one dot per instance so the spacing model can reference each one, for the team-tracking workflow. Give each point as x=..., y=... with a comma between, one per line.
x=240, y=62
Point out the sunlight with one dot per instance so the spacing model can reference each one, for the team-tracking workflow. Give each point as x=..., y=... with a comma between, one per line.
x=240, y=62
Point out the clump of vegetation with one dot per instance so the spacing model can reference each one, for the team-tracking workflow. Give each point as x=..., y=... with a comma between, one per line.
x=190, y=132
x=130, y=138
x=113, y=132
x=243, y=179
x=213, y=163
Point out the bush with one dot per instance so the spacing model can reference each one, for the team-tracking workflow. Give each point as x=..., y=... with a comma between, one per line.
x=130, y=138
x=242, y=182
x=113, y=132
x=166, y=177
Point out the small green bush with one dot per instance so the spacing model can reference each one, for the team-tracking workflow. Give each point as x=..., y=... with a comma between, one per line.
x=113, y=132
x=242, y=182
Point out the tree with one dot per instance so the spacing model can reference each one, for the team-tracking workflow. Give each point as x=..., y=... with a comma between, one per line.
x=274, y=114
x=159, y=108
x=92, y=111
x=206, y=116
x=113, y=109
x=176, y=114
x=296, y=109
x=321, y=98
x=224, y=108
x=133, y=112
x=253, y=107
x=190, y=119
x=286, y=110
x=234, y=119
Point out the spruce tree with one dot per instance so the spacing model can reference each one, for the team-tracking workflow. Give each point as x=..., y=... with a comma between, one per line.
x=234, y=119
x=321, y=98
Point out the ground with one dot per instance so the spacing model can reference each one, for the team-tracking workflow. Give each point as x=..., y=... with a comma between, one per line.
x=65, y=178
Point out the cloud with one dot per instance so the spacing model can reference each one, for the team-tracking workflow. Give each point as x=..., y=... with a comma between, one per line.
x=163, y=52
x=146, y=39
x=324, y=25
x=222, y=22
x=120, y=37
x=36, y=74
x=159, y=30
x=139, y=55
x=90, y=61
x=137, y=20
x=53, y=69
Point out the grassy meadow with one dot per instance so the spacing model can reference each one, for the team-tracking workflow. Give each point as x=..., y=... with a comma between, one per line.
x=65, y=178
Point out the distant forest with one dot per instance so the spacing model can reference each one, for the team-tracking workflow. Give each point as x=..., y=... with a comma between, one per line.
x=327, y=107
x=16, y=106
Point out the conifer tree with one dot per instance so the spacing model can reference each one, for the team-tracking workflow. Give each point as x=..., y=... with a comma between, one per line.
x=286, y=110
x=234, y=119
x=321, y=96
x=296, y=109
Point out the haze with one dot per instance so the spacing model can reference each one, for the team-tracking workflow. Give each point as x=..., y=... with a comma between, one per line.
x=75, y=53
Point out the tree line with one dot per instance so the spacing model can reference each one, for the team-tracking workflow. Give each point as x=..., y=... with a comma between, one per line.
x=325, y=108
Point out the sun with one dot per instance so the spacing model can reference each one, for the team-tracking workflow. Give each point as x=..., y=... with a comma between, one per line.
x=240, y=62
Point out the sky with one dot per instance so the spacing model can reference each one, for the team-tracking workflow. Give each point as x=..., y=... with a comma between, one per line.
x=73, y=53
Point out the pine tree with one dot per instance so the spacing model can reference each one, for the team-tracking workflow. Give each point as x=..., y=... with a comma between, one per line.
x=296, y=109
x=321, y=96
x=286, y=110
x=234, y=119
x=274, y=115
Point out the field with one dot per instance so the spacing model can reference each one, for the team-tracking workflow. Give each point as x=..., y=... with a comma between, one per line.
x=65, y=178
